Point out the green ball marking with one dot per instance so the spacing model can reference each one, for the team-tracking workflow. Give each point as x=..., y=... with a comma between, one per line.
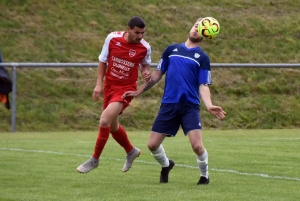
x=209, y=27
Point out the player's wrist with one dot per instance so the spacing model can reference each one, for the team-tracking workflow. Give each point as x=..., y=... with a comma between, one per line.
x=99, y=83
x=208, y=106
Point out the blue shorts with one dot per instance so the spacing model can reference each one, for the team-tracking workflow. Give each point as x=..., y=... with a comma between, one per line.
x=173, y=115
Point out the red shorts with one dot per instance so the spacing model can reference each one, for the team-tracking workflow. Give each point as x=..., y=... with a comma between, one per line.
x=113, y=93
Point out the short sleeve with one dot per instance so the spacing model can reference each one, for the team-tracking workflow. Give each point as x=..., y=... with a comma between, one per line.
x=204, y=76
x=164, y=60
x=103, y=57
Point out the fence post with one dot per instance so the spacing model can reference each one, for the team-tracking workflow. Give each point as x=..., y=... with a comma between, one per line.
x=14, y=97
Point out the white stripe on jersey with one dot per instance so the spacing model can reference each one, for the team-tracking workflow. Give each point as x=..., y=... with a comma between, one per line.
x=147, y=59
x=209, y=81
x=185, y=58
x=159, y=64
x=103, y=57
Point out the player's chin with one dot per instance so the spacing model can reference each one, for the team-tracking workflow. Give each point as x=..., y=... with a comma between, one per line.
x=196, y=39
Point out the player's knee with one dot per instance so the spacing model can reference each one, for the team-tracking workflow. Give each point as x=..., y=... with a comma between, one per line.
x=104, y=122
x=198, y=148
x=152, y=146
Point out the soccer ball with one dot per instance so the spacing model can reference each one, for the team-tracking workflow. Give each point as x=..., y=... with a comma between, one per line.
x=208, y=27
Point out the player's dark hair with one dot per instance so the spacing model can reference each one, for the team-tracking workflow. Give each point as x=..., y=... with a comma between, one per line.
x=136, y=21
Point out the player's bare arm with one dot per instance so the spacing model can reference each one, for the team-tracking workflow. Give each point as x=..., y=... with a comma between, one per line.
x=156, y=75
x=145, y=72
x=98, y=90
x=217, y=111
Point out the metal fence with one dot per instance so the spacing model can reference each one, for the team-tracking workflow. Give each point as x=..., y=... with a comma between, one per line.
x=14, y=67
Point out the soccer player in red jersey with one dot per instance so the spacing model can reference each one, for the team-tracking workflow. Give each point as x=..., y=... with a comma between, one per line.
x=122, y=56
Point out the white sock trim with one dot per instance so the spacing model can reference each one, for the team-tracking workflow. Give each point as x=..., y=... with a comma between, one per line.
x=160, y=156
x=202, y=162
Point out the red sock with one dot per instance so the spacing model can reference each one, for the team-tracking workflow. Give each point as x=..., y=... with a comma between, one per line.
x=121, y=137
x=101, y=141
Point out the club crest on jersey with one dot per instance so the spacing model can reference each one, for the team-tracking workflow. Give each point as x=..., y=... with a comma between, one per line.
x=197, y=55
x=131, y=53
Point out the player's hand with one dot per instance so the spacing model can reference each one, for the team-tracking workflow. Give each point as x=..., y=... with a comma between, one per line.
x=146, y=76
x=97, y=92
x=130, y=94
x=217, y=111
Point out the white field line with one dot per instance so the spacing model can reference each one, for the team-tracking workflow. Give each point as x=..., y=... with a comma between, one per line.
x=142, y=161
x=184, y=140
x=251, y=139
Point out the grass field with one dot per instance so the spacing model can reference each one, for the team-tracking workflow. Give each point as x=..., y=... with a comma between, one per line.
x=243, y=165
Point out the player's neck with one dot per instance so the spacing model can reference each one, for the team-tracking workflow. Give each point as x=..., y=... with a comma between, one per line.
x=126, y=36
x=189, y=44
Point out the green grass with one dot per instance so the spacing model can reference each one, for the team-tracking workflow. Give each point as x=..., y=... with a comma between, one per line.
x=243, y=165
x=252, y=31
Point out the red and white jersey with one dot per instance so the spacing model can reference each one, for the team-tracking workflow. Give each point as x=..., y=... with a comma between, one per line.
x=123, y=58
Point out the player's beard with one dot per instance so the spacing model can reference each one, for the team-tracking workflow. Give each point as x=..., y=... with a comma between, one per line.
x=195, y=40
x=132, y=39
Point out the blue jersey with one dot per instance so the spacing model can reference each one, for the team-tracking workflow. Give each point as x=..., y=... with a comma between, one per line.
x=185, y=70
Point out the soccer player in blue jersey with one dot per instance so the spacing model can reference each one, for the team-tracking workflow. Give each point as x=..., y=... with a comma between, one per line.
x=187, y=69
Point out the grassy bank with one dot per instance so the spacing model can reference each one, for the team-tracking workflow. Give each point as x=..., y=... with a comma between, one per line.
x=67, y=31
